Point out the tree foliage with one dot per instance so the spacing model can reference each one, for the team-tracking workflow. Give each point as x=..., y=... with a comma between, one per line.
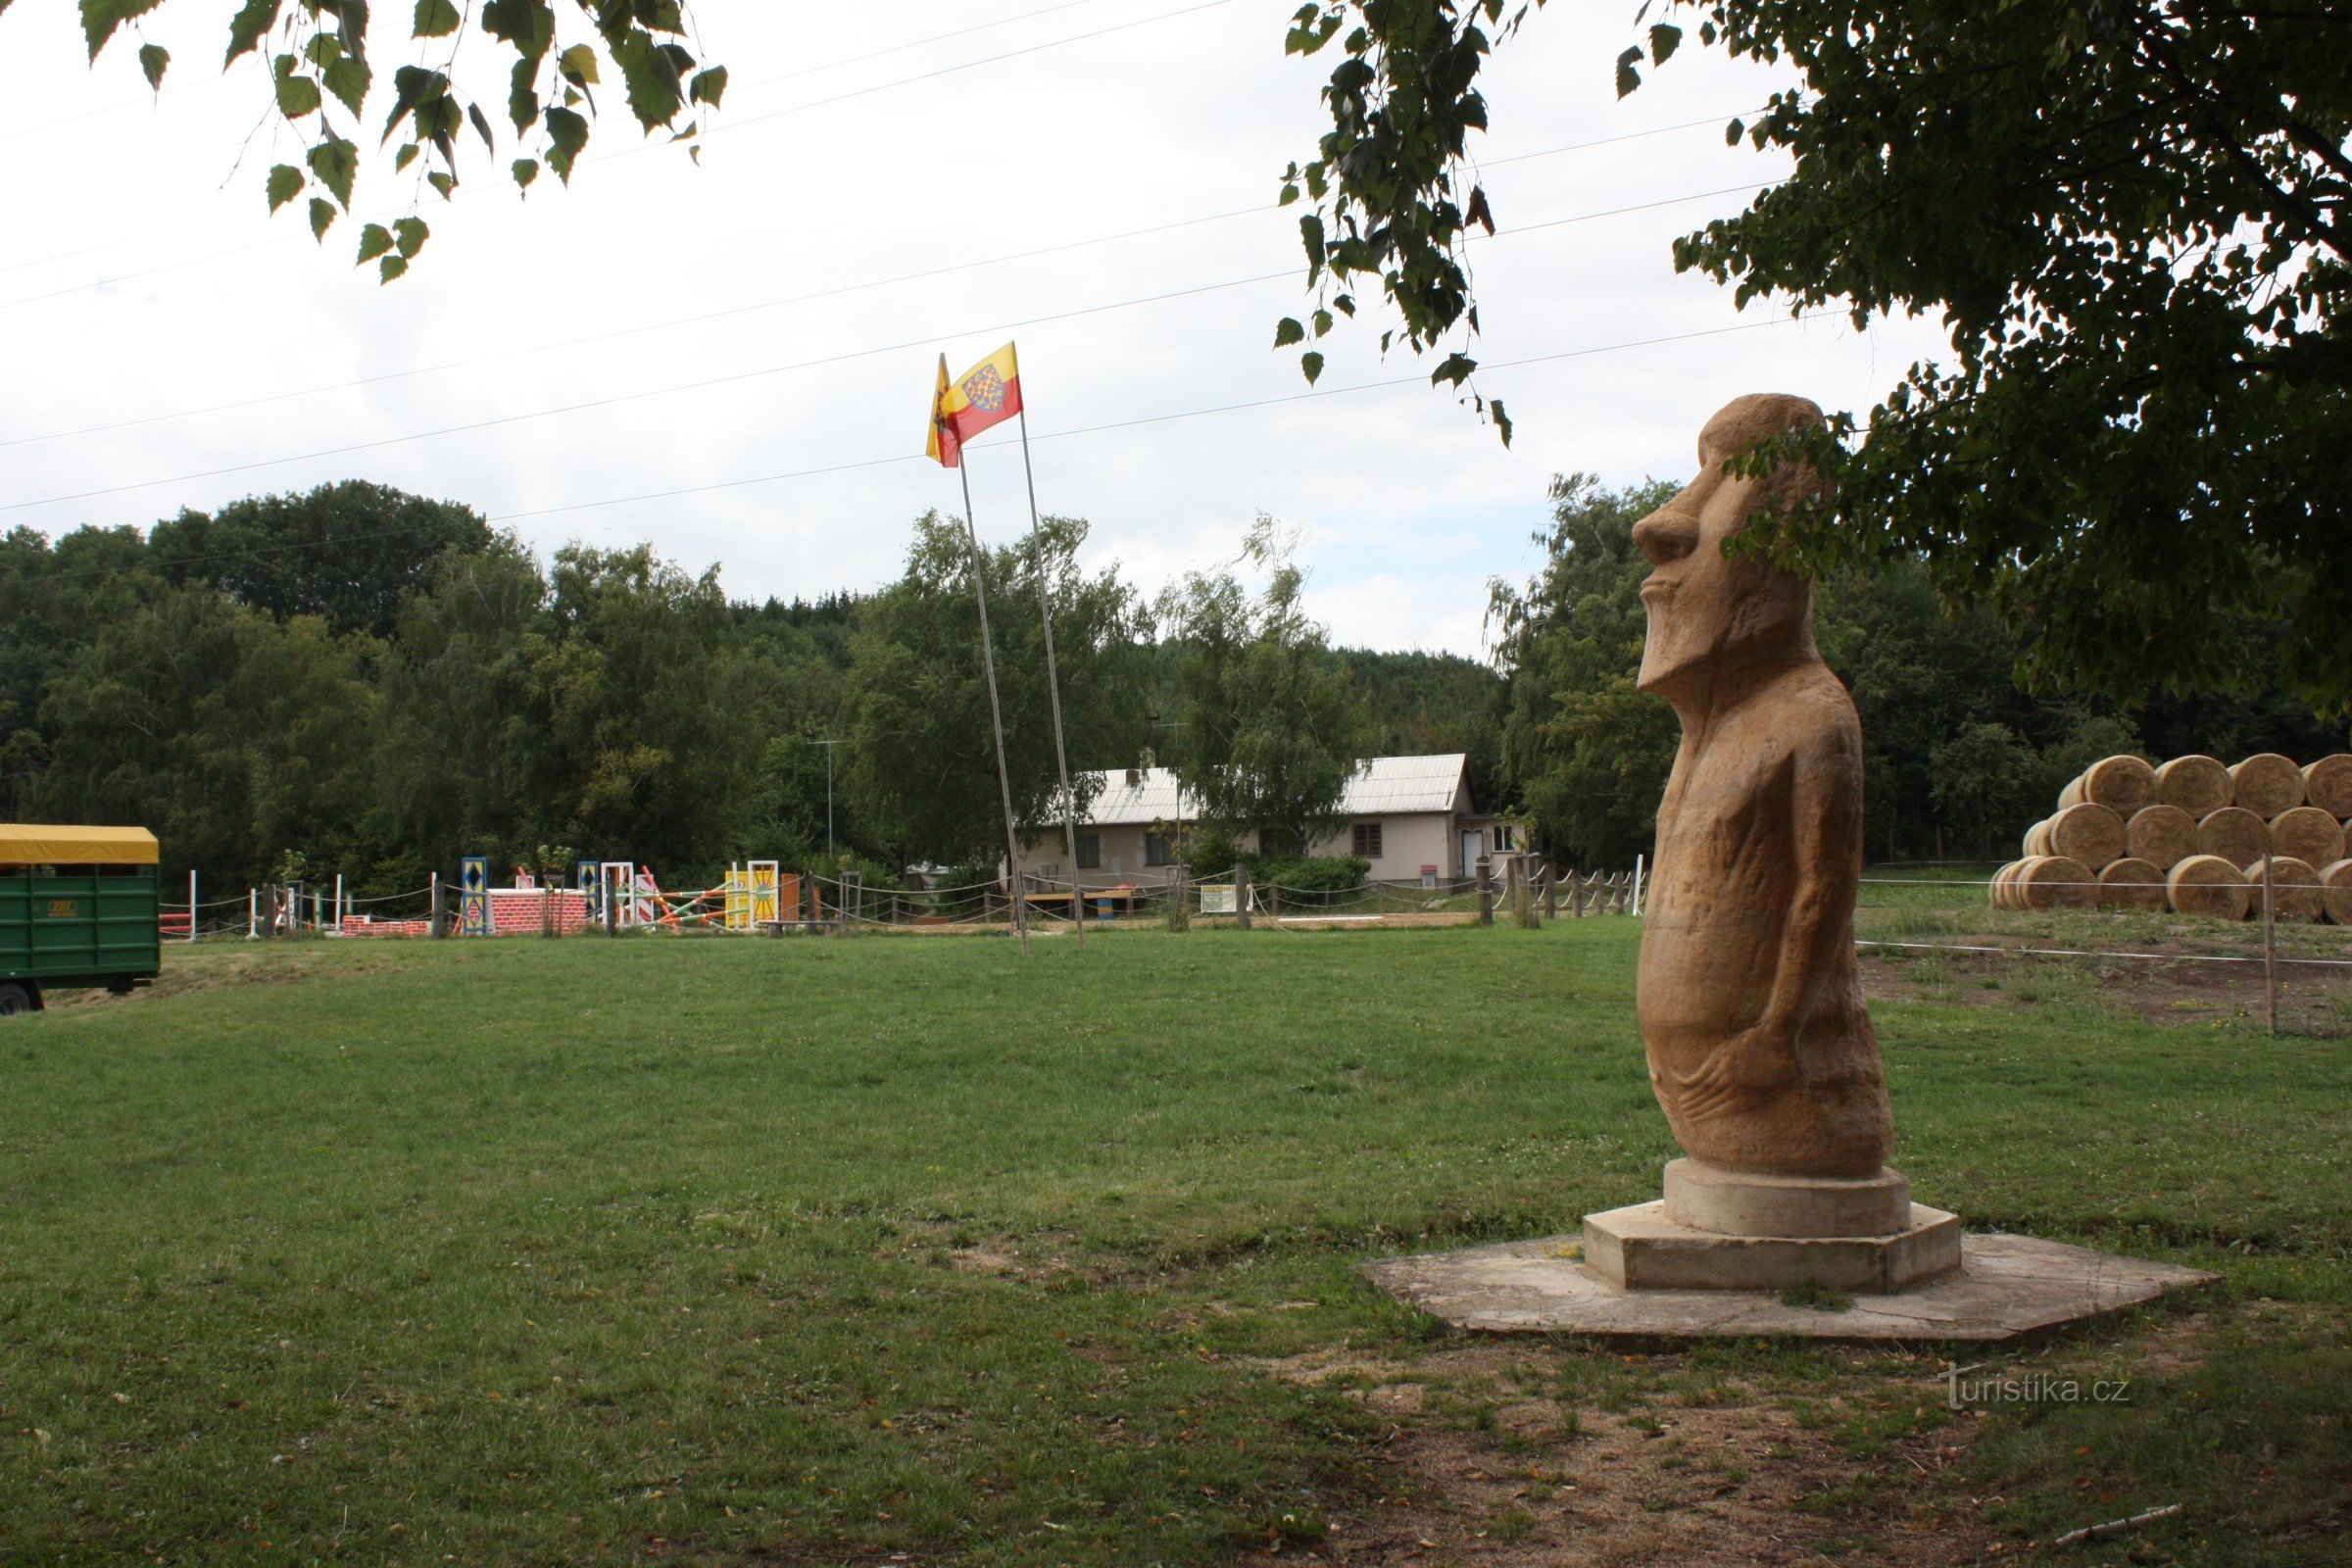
x=2132, y=216
x=1958, y=755
x=922, y=754
x=326, y=84
x=1272, y=727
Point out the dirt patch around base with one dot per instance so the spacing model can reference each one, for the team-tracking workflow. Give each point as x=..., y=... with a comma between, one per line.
x=1544, y=1453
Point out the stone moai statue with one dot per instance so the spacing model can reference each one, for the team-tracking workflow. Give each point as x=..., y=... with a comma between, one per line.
x=1759, y=1043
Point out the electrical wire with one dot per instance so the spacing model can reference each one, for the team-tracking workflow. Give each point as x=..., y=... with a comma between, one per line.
x=789, y=299
x=763, y=371
x=646, y=146
x=739, y=89
x=916, y=457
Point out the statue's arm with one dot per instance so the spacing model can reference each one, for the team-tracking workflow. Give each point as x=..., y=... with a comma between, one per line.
x=1818, y=779
x=1824, y=805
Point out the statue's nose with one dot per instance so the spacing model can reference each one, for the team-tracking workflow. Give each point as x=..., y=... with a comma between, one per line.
x=1666, y=535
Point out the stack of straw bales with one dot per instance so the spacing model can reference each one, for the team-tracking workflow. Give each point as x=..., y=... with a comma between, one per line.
x=2192, y=837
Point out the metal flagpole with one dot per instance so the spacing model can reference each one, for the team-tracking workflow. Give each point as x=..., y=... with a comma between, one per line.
x=1062, y=756
x=996, y=712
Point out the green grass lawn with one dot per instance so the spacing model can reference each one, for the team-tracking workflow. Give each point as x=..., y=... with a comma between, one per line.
x=817, y=1251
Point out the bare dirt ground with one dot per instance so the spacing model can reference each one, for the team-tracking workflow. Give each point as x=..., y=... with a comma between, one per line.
x=1509, y=1461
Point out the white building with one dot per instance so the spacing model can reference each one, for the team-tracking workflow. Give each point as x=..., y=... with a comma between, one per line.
x=1410, y=816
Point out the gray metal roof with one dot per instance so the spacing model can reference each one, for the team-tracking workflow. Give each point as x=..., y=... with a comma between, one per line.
x=1383, y=785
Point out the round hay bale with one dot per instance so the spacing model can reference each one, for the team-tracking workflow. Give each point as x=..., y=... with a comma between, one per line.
x=2037, y=839
x=2235, y=834
x=2335, y=892
x=2198, y=785
x=2072, y=794
x=2056, y=882
x=2090, y=833
x=2327, y=783
x=2121, y=784
x=2164, y=834
x=2309, y=834
x=1997, y=894
x=2131, y=884
x=2209, y=884
x=2295, y=888
x=2268, y=784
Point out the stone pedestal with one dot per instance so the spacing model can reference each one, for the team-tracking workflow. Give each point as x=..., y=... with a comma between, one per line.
x=1718, y=1230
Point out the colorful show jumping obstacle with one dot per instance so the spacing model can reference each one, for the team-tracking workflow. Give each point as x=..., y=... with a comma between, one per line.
x=2193, y=837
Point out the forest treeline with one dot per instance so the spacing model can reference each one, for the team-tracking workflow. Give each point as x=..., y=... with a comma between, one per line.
x=365, y=682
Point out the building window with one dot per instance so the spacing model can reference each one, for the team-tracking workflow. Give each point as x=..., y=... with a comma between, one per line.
x=1159, y=850
x=1275, y=841
x=1506, y=838
x=1367, y=840
x=1089, y=852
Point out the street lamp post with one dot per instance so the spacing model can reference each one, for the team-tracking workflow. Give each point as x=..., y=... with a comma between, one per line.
x=811, y=736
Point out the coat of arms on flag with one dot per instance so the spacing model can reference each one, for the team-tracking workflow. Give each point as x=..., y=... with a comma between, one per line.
x=987, y=393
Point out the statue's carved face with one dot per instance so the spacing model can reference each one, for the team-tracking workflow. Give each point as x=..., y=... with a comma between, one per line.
x=1709, y=614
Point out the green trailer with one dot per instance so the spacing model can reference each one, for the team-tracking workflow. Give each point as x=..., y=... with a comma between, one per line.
x=77, y=907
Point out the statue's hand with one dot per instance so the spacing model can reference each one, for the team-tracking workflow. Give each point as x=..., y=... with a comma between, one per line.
x=1760, y=1057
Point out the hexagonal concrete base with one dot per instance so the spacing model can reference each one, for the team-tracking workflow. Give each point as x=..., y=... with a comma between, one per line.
x=1645, y=1248
x=2006, y=1287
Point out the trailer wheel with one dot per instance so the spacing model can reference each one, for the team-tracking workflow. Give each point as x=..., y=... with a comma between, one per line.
x=14, y=998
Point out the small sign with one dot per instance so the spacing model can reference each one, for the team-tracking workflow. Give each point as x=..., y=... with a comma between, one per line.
x=1428, y=876
x=63, y=909
x=1216, y=898
x=473, y=897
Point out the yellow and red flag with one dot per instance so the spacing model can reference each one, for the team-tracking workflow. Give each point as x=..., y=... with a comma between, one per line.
x=988, y=394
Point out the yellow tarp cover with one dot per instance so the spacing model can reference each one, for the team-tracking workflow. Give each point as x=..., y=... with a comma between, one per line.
x=49, y=844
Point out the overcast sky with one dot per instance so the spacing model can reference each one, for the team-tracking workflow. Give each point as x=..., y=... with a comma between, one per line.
x=140, y=277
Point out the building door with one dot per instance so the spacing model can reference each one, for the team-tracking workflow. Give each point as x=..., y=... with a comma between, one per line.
x=1474, y=849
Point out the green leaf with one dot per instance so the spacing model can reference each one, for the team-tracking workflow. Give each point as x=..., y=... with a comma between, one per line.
x=410, y=233
x=323, y=218
x=374, y=240
x=153, y=58
x=297, y=95
x=100, y=19
x=1502, y=422
x=285, y=183
x=481, y=125
x=526, y=169
x=435, y=18
x=529, y=25
x=336, y=163
x=348, y=78
x=250, y=26
x=1288, y=331
x=404, y=157
x=1664, y=40
x=390, y=268
x=522, y=96
x=569, y=134
x=579, y=65
x=654, y=93
x=1322, y=321
x=1629, y=72
x=1312, y=364
x=441, y=183
x=1455, y=370
x=708, y=87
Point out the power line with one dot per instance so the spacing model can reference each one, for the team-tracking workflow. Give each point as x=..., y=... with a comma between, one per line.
x=763, y=371
x=916, y=457
x=644, y=146
x=748, y=86
x=770, y=304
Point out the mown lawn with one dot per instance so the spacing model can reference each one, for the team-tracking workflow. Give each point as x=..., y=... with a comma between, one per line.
x=705, y=1250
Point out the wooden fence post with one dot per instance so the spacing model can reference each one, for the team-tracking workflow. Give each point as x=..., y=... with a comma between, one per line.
x=1240, y=896
x=1552, y=893
x=438, y=922
x=1485, y=891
